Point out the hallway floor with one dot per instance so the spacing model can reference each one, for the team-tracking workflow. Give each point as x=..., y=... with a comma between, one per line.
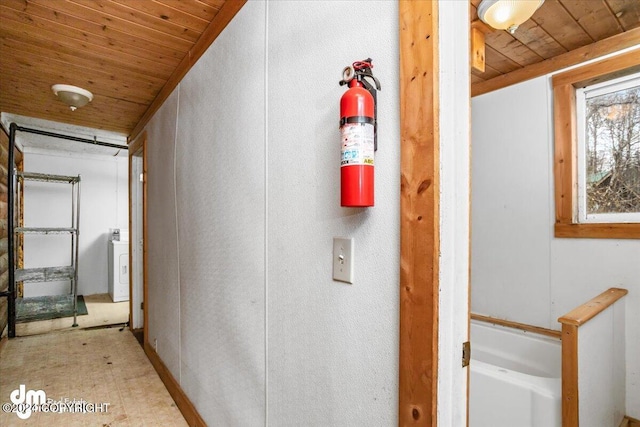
x=101, y=311
x=97, y=366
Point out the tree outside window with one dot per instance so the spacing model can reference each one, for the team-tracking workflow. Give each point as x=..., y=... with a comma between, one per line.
x=596, y=163
x=612, y=150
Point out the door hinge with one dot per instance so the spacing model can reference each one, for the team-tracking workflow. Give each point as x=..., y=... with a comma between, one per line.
x=466, y=353
x=142, y=305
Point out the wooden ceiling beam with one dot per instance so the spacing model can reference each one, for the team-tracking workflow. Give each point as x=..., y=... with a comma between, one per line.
x=577, y=56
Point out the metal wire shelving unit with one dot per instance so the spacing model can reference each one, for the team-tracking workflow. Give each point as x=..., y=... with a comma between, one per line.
x=65, y=272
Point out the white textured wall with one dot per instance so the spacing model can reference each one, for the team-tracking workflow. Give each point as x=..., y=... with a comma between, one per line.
x=243, y=307
x=601, y=368
x=511, y=204
x=162, y=248
x=520, y=271
x=332, y=347
x=221, y=226
x=103, y=205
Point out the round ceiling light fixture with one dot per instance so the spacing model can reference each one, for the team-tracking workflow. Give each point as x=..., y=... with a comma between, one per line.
x=75, y=97
x=507, y=14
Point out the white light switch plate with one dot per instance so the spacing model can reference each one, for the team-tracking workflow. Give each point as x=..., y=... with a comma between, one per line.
x=343, y=259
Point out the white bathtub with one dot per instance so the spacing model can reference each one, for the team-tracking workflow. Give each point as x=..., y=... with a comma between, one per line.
x=515, y=378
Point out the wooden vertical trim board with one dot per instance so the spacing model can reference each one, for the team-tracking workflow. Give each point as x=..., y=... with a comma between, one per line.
x=145, y=239
x=135, y=145
x=420, y=217
x=140, y=144
x=477, y=49
x=189, y=411
x=132, y=150
x=570, y=407
x=565, y=149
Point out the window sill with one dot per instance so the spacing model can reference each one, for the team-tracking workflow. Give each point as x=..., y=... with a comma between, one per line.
x=598, y=231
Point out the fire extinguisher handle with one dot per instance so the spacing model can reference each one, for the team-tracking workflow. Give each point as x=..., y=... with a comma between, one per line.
x=368, y=84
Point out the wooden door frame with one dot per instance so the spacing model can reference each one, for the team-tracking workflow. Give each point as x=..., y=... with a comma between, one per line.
x=135, y=147
x=420, y=212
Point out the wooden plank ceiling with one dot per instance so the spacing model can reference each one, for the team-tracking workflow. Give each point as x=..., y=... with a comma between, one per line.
x=559, y=26
x=125, y=51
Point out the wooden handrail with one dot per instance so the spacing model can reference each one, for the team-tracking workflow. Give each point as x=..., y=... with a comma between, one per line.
x=583, y=313
x=571, y=323
x=515, y=325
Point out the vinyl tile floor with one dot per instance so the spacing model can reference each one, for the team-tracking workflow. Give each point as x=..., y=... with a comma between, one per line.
x=103, y=367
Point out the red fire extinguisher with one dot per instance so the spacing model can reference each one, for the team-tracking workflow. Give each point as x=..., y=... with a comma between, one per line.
x=358, y=125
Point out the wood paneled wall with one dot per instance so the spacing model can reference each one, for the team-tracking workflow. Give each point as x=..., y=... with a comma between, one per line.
x=4, y=232
x=4, y=256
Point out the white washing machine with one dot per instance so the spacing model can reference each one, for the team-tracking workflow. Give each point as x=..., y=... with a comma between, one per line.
x=119, y=270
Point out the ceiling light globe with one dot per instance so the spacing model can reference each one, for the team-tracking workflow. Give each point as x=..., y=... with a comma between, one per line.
x=507, y=14
x=75, y=97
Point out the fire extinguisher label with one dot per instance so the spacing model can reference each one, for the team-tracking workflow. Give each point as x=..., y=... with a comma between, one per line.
x=357, y=144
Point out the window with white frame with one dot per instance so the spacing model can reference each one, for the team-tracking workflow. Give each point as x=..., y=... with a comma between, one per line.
x=608, y=151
